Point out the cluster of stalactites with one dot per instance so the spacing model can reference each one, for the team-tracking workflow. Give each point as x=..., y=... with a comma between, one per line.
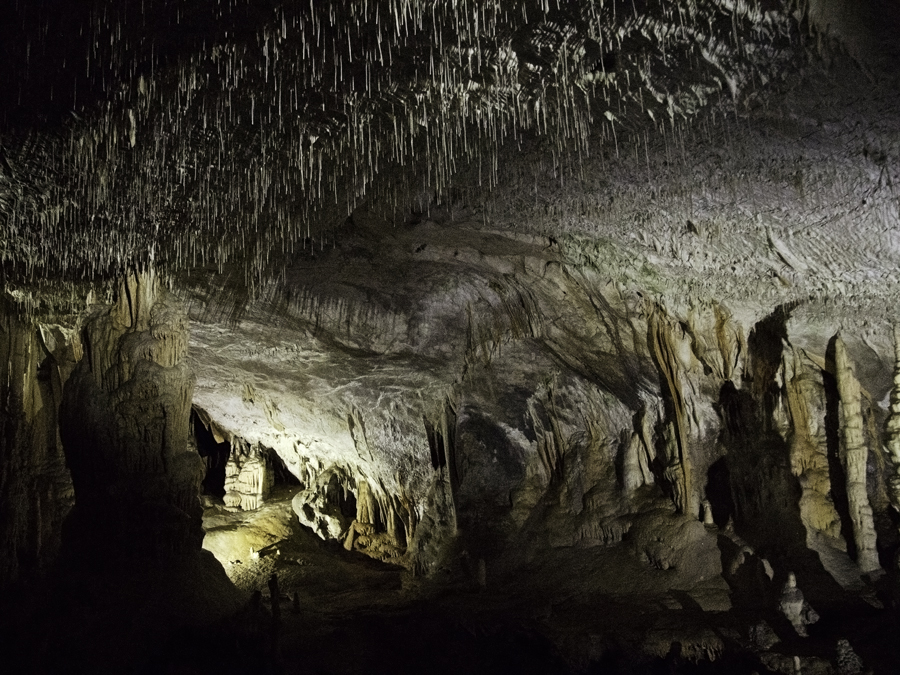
x=238, y=147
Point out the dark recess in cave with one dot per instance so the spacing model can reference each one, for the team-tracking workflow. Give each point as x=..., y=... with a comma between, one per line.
x=283, y=475
x=718, y=492
x=215, y=455
x=343, y=499
x=435, y=444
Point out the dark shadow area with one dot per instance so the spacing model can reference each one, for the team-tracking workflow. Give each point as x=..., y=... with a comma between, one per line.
x=214, y=454
x=745, y=574
x=282, y=475
x=487, y=465
x=765, y=345
x=718, y=492
x=887, y=524
x=340, y=496
x=424, y=640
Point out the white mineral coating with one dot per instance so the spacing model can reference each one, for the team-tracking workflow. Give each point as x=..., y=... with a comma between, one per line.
x=249, y=476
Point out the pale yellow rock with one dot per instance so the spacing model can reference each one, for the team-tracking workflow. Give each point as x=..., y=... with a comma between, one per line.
x=854, y=454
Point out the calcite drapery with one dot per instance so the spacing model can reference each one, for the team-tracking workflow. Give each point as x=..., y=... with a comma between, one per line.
x=678, y=471
x=248, y=477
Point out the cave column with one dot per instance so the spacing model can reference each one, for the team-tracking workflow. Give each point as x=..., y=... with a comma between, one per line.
x=665, y=355
x=892, y=428
x=124, y=422
x=854, y=454
x=35, y=486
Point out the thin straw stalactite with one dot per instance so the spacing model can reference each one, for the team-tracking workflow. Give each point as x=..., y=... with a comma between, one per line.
x=278, y=124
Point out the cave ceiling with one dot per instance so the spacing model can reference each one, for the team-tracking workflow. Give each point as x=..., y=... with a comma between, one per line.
x=240, y=136
x=691, y=150
x=186, y=134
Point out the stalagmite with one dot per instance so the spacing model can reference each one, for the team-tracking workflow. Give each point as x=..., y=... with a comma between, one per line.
x=124, y=423
x=854, y=453
x=892, y=427
x=795, y=607
x=848, y=660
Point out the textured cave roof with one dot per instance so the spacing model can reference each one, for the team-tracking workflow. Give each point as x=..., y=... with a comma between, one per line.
x=263, y=122
x=189, y=133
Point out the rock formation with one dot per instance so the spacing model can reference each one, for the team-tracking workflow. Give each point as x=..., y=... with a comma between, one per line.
x=892, y=428
x=36, y=360
x=505, y=327
x=854, y=453
x=666, y=354
x=848, y=661
x=795, y=607
x=248, y=477
x=124, y=424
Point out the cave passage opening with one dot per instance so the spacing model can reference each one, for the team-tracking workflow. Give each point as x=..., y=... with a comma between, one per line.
x=214, y=453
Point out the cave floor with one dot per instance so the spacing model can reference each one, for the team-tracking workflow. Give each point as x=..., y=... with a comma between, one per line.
x=358, y=615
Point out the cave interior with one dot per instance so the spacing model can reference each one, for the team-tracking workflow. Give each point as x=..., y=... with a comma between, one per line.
x=457, y=336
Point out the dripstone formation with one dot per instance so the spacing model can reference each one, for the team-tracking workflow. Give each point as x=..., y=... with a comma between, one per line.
x=540, y=337
x=124, y=424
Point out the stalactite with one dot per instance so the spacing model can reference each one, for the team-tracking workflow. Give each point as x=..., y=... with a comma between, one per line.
x=665, y=356
x=147, y=154
x=854, y=454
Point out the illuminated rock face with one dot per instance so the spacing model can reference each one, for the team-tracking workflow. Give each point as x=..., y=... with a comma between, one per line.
x=445, y=389
x=248, y=478
x=854, y=454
